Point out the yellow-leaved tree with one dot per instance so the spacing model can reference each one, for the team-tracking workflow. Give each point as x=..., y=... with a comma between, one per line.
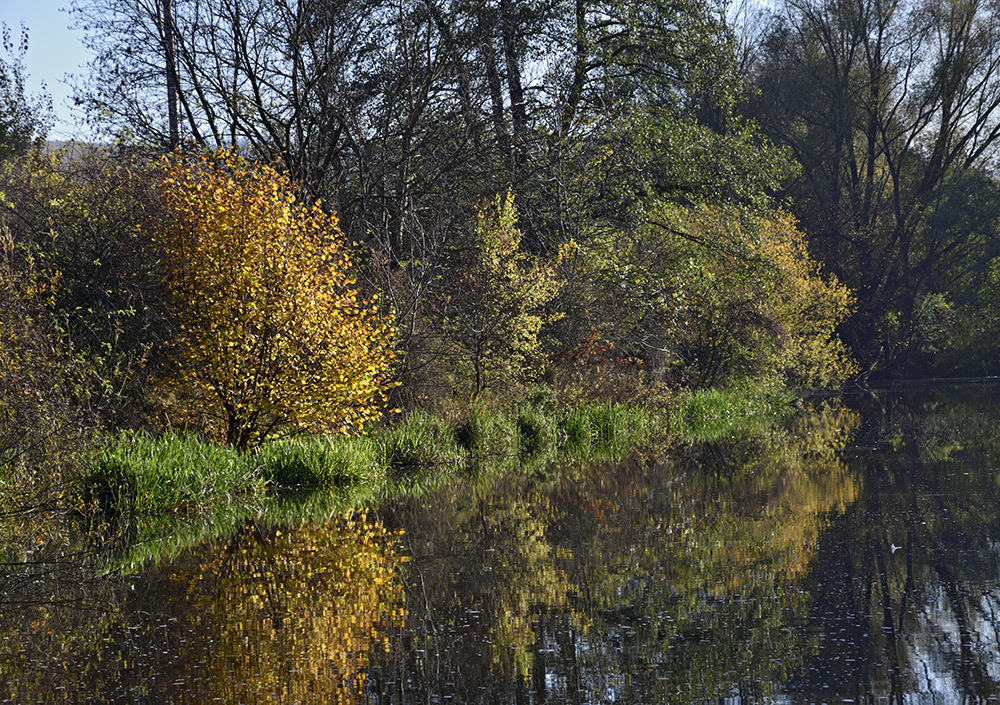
x=809, y=305
x=271, y=336
x=496, y=304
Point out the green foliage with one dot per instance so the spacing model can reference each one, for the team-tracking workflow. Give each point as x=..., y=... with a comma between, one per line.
x=710, y=296
x=321, y=460
x=42, y=384
x=809, y=308
x=496, y=304
x=272, y=336
x=85, y=215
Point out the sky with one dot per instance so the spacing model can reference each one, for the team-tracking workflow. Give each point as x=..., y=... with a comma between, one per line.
x=53, y=52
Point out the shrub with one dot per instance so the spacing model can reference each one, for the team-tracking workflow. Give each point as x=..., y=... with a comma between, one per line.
x=272, y=336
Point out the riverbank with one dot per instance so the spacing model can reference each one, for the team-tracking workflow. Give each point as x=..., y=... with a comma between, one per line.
x=143, y=499
x=182, y=473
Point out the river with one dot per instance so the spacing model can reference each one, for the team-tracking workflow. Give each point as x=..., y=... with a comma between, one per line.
x=850, y=555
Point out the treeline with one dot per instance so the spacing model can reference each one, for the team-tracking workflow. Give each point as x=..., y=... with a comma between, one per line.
x=615, y=199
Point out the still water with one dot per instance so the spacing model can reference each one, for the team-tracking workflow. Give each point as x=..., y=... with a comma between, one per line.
x=852, y=555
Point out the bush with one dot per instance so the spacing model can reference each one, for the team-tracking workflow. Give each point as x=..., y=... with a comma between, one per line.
x=84, y=215
x=42, y=385
x=271, y=334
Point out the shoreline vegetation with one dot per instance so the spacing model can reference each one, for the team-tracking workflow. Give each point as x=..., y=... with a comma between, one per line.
x=529, y=276
x=143, y=475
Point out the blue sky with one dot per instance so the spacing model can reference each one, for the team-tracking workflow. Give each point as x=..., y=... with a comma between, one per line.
x=53, y=52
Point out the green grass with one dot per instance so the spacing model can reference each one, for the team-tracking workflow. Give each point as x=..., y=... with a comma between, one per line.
x=160, y=495
x=321, y=460
x=141, y=475
x=605, y=431
x=710, y=414
x=419, y=440
x=486, y=434
x=176, y=472
x=538, y=432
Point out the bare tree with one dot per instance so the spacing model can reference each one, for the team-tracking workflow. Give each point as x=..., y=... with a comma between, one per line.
x=888, y=105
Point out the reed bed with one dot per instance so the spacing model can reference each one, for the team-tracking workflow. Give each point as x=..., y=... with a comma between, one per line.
x=712, y=414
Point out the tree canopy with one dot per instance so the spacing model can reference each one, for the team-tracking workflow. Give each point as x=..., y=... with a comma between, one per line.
x=23, y=117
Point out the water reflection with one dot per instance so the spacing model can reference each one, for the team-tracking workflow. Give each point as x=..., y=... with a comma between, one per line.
x=918, y=624
x=755, y=569
x=639, y=583
x=268, y=615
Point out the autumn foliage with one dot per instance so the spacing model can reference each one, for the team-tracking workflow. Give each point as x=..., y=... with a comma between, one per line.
x=809, y=305
x=496, y=304
x=271, y=335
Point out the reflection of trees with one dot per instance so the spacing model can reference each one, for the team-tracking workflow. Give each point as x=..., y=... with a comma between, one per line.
x=926, y=617
x=270, y=615
x=633, y=583
x=290, y=616
x=54, y=619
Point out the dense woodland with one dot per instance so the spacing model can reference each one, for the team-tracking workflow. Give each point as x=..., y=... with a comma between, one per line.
x=307, y=212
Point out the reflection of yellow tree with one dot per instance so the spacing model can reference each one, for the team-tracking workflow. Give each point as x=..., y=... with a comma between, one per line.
x=526, y=577
x=672, y=545
x=775, y=506
x=294, y=615
x=54, y=623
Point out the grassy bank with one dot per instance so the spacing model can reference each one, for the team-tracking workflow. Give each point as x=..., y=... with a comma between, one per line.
x=154, y=497
x=141, y=475
x=181, y=472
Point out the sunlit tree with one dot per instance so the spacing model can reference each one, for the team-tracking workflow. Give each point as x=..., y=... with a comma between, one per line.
x=495, y=306
x=271, y=335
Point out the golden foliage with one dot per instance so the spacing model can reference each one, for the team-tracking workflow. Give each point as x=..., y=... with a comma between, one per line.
x=316, y=601
x=808, y=305
x=721, y=296
x=271, y=333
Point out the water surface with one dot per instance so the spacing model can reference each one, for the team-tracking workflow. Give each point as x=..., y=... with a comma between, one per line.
x=852, y=555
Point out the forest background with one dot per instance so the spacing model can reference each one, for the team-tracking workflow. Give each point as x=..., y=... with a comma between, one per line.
x=308, y=213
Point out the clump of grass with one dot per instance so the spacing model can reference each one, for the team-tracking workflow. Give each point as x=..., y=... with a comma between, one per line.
x=420, y=439
x=321, y=460
x=142, y=475
x=537, y=431
x=710, y=414
x=487, y=434
x=606, y=431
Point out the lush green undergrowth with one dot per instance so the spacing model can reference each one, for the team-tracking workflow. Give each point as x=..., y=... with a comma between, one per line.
x=143, y=475
x=710, y=414
x=156, y=496
x=176, y=472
